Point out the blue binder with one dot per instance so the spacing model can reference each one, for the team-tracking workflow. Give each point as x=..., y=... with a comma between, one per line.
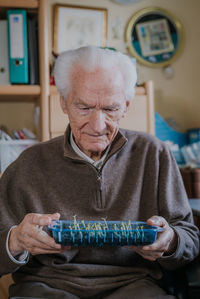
x=17, y=44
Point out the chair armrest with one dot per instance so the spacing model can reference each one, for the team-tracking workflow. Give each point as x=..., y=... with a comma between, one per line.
x=5, y=282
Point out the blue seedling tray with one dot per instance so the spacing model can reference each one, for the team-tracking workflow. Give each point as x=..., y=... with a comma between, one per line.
x=99, y=233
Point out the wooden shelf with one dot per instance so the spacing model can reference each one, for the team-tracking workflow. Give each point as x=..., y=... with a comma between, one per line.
x=19, y=93
x=26, y=90
x=19, y=3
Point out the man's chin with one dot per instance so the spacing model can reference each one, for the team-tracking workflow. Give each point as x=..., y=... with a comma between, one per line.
x=96, y=147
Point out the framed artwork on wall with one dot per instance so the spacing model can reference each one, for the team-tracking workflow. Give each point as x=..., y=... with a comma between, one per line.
x=78, y=26
x=154, y=37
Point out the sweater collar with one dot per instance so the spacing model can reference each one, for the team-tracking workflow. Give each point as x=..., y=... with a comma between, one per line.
x=119, y=141
x=97, y=163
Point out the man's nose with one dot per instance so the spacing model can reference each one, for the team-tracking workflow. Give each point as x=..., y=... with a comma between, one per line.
x=97, y=121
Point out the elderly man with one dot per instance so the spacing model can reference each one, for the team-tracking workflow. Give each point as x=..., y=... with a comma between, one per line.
x=95, y=170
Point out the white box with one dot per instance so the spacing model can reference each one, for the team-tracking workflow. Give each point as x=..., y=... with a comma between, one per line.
x=10, y=150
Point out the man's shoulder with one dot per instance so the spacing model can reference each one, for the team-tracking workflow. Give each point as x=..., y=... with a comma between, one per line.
x=143, y=136
x=35, y=158
x=54, y=142
x=143, y=139
x=45, y=146
x=40, y=152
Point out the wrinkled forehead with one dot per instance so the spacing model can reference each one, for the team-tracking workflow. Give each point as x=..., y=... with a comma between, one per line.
x=97, y=80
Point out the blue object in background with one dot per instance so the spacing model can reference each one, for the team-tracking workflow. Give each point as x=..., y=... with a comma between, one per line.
x=193, y=135
x=178, y=156
x=164, y=132
x=185, y=147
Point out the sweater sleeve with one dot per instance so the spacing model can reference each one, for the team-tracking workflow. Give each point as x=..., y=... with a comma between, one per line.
x=22, y=258
x=174, y=207
x=9, y=216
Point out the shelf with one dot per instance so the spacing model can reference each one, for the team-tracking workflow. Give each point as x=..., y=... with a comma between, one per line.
x=19, y=92
x=19, y=3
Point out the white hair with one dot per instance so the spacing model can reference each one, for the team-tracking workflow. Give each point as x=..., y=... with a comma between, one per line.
x=91, y=58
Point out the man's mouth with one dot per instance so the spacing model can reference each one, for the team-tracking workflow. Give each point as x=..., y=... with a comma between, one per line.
x=96, y=135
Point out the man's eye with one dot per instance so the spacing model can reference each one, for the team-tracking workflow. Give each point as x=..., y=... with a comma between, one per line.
x=111, y=109
x=84, y=108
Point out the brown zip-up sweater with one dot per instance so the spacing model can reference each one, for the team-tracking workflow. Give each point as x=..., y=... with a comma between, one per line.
x=138, y=179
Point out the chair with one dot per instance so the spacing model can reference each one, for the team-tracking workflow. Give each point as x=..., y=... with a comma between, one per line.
x=193, y=279
x=183, y=283
x=5, y=282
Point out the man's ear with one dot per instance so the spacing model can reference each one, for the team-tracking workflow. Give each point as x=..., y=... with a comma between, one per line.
x=127, y=105
x=63, y=105
x=126, y=108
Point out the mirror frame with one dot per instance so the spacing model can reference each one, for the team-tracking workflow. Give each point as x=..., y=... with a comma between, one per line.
x=173, y=34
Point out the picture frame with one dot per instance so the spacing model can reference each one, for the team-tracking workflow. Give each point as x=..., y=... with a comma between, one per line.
x=154, y=37
x=78, y=26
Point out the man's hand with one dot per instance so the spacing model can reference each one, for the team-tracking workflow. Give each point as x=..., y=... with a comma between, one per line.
x=28, y=235
x=166, y=241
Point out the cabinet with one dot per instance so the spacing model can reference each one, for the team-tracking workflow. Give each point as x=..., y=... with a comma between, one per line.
x=30, y=95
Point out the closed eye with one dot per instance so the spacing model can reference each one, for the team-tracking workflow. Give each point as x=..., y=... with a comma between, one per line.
x=111, y=109
x=84, y=108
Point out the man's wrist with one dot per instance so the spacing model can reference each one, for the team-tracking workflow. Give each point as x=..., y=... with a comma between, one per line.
x=173, y=243
x=20, y=259
x=12, y=243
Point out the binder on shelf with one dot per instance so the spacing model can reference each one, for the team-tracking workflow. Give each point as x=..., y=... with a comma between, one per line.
x=33, y=56
x=4, y=67
x=17, y=43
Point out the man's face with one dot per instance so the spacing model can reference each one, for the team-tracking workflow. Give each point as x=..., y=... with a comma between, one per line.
x=95, y=106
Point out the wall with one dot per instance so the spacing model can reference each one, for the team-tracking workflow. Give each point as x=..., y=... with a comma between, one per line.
x=178, y=97
x=17, y=115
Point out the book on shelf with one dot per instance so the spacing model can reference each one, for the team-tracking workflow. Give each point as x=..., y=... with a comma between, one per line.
x=21, y=134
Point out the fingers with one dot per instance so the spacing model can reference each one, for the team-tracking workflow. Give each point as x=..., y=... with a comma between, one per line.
x=152, y=257
x=41, y=243
x=147, y=254
x=41, y=220
x=45, y=244
x=36, y=241
x=41, y=239
x=28, y=235
x=163, y=238
x=163, y=243
x=37, y=249
x=157, y=221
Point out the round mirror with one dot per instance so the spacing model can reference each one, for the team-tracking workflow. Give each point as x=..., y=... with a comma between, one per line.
x=154, y=37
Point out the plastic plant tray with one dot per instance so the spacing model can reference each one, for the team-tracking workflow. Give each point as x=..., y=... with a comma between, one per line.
x=99, y=233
